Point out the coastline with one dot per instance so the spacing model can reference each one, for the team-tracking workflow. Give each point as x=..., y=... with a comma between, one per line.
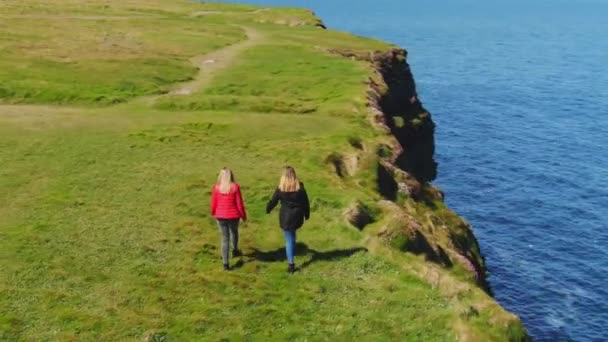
x=406, y=168
x=381, y=257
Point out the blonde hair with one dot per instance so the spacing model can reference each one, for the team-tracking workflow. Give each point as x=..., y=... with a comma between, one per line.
x=225, y=180
x=289, y=181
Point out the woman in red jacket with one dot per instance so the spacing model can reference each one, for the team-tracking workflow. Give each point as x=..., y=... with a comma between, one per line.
x=227, y=207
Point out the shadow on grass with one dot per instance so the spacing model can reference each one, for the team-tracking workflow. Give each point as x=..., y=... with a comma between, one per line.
x=303, y=250
x=238, y=264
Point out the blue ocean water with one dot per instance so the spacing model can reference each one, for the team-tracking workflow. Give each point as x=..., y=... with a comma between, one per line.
x=519, y=92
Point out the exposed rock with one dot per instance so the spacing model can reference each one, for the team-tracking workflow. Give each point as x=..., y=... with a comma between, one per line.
x=336, y=160
x=387, y=187
x=358, y=215
x=405, y=233
x=397, y=97
x=356, y=143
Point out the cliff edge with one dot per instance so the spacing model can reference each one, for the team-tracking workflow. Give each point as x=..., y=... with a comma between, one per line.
x=413, y=217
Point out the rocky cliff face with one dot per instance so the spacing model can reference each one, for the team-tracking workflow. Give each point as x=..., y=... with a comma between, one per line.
x=443, y=237
x=418, y=220
x=405, y=117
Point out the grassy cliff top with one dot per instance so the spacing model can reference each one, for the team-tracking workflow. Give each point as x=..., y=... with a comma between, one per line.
x=115, y=117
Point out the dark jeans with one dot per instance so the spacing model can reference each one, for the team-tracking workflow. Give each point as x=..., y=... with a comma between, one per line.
x=230, y=231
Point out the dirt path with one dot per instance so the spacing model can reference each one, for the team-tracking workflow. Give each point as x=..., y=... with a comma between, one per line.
x=210, y=64
x=200, y=13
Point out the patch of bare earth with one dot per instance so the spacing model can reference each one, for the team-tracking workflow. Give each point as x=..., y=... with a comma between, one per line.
x=210, y=64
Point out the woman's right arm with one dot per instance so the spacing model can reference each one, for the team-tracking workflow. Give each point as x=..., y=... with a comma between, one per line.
x=273, y=202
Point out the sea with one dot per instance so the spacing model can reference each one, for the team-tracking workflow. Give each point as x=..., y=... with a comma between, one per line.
x=519, y=92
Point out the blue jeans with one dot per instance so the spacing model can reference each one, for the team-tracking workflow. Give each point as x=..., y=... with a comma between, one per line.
x=290, y=244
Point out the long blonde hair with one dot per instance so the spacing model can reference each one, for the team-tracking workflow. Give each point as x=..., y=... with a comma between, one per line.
x=289, y=181
x=225, y=180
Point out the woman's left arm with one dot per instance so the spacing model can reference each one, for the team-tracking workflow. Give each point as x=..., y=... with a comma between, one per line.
x=239, y=204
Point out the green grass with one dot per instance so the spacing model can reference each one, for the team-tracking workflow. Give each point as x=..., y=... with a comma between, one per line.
x=78, y=83
x=277, y=78
x=105, y=230
x=106, y=234
x=111, y=61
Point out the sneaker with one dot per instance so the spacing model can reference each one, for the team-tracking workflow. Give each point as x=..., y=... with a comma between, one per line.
x=291, y=268
x=236, y=253
x=226, y=267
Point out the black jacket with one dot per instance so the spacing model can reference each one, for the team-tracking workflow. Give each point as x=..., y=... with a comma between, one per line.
x=294, y=207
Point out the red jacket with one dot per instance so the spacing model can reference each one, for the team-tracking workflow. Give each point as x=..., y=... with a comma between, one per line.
x=228, y=206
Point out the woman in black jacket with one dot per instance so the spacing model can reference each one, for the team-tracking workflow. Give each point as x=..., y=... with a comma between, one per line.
x=295, y=208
